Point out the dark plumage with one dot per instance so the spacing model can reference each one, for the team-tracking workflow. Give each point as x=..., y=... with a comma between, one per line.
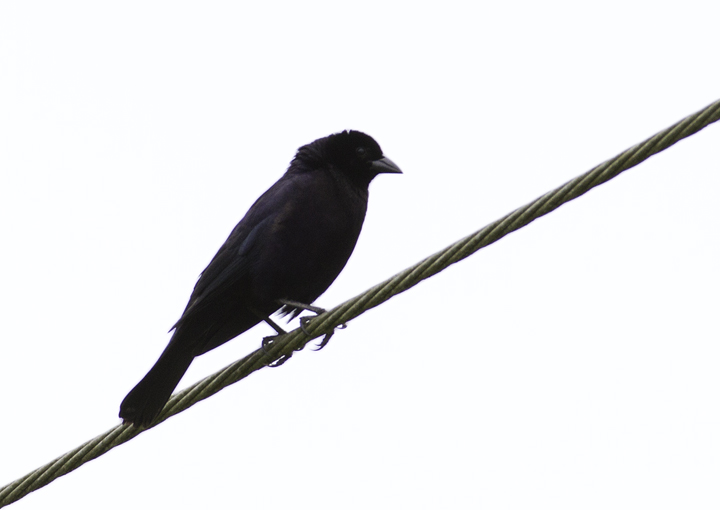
x=291, y=245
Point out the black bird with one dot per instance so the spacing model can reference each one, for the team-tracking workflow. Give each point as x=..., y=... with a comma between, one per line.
x=290, y=246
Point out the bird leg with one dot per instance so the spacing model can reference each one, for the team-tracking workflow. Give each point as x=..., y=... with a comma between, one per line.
x=301, y=306
x=305, y=320
x=268, y=340
x=275, y=326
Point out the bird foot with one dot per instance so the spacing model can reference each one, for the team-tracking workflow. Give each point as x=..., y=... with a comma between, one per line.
x=304, y=321
x=266, y=343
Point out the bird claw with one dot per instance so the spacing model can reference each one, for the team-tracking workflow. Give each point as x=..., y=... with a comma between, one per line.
x=305, y=320
x=324, y=341
x=266, y=344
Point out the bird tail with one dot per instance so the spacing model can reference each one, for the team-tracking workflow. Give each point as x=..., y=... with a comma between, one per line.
x=148, y=397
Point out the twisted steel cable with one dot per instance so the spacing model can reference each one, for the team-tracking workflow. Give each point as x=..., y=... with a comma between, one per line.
x=326, y=323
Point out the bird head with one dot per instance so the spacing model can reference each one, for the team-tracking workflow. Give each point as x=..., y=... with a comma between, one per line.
x=356, y=155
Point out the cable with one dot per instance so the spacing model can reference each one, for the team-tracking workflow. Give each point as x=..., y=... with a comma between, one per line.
x=326, y=323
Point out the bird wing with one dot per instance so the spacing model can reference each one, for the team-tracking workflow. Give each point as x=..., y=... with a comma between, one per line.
x=235, y=258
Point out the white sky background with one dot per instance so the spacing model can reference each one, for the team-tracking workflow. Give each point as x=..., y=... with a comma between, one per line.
x=573, y=364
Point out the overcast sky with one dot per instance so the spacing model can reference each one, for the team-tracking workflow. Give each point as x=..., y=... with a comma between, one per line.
x=573, y=364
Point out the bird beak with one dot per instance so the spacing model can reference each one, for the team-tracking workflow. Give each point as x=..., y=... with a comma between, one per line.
x=385, y=166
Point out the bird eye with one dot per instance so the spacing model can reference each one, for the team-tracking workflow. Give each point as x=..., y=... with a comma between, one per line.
x=361, y=152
